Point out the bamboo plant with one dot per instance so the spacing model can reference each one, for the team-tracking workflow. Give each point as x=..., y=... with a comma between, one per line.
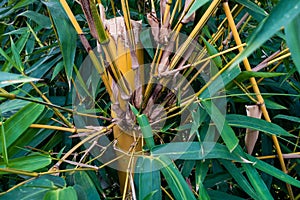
x=174, y=126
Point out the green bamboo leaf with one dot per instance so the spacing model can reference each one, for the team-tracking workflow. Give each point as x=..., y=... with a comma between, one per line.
x=269, y=169
x=245, y=75
x=81, y=194
x=283, y=13
x=293, y=40
x=201, y=170
x=66, y=34
x=256, y=124
x=224, y=129
x=16, y=56
x=196, y=5
x=81, y=178
x=188, y=166
x=145, y=37
x=23, y=118
x=3, y=141
x=23, y=3
x=38, y=18
x=147, y=179
x=7, y=79
x=257, y=182
x=32, y=137
x=215, y=194
x=145, y=127
x=212, y=51
x=96, y=26
x=253, y=7
x=239, y=178
x=98, y=23
x=289, y=118
x=201, y=173
x=8, y=58
x=31, y=162
x=255, y=179
x=60, y=194
x=35, y=189
x=194, y=151
x=220, y=82
x=273, y=105
x=175, y=180
x=57, y=69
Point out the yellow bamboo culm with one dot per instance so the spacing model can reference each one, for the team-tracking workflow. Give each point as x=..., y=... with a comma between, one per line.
x=256, y=90
x=121, y=54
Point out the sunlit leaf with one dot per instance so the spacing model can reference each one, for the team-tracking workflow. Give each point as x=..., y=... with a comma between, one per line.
x=7, y=79
x=23, y=118
x=31, y=162
x=59, y=194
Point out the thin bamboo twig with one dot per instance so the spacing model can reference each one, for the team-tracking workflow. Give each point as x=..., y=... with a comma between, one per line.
x=16, y=186
x=49, y=104
x=79, y=144
x=167, y=193
x=194, y=32
x=286, y=156
x=264, y=63
x=56, y=111
x=256, y=90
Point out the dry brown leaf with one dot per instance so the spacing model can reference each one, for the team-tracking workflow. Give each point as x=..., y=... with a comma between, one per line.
x=191, y=17
x=154, y=23
x=252, y=135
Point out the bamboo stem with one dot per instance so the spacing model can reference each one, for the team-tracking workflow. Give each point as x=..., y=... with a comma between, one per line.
x=256, y=90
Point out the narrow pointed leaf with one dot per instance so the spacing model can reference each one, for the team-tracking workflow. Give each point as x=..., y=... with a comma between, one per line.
x=16, y=56
x=239, y=178
x=59, y=194
x=196, y=5
x=38, y=18
x=147, y=179
x=253, y=7
x=257, y=182
x=7, y=79
x=283, y=13
x=194, y=151
x=224, y=129
x=27, y=163
x=176, y=182
x=81, y=178
x=24, y=118
x=212, y=51
x=269, y=169
x=256, y=124
x=293, y=40
x=66, y=34
x=289, y=118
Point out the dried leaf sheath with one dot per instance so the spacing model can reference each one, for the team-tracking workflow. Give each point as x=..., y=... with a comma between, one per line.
x=252, y=135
